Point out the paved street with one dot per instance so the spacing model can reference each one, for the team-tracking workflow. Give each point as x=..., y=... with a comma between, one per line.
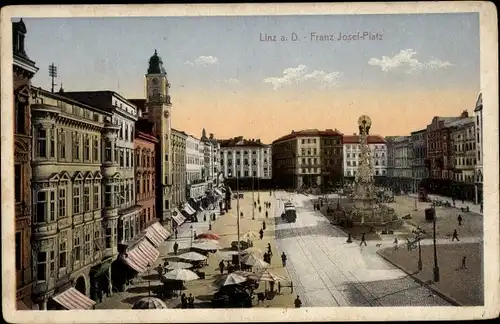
x=327, y=271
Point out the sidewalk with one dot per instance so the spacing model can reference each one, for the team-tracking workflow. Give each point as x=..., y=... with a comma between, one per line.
x=474, y=208
x=463, y=287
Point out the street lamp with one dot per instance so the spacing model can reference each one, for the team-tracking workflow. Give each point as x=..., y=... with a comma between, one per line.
x=436, y=267
x=191, y=235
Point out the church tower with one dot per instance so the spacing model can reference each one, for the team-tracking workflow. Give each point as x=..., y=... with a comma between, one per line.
x=159, y=113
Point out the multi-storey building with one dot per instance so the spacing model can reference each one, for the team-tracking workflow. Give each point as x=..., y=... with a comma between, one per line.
x=23, y=70
x=478, y=112
x=145, y=172
x=309, y=158
x=463, y=141
x=195, y=162
x=402, y=172
x=246, y=161
x=439, y=154
x=208, y=153
x=217, y=180
x=72, y=229
x=352, y=153
x=179, y=139
x=419, y=148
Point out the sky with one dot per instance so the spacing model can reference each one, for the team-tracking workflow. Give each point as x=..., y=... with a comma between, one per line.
x=227, y=79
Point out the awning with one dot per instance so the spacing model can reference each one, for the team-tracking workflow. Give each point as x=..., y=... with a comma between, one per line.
x=73, y=299
x=217, y=191
x=20, y=305
x=188, y=206
x=188, y=210
x=157, y=234
x=178, y=217
x=140, y=256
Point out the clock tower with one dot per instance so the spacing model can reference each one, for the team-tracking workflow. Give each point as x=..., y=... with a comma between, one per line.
x=159, y=110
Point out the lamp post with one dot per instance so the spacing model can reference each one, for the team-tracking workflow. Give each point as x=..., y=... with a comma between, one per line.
x=191, y=228
x=436, y=267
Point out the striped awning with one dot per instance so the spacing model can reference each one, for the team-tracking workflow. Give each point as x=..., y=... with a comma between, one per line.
x=140, y=256
x=188, y=209
x=157, y=234
x=73, y=299
x=178, y=217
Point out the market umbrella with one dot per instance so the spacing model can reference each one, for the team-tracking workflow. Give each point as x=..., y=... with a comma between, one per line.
x=247, y=274
x=231, y=279
x=206, y=246
x=149, y=303
x=178, y=265
x=192, y=256
x=181, y=275
x=254, y=261
x=266, y=275
x=210, y=236
x=198, y=241
x=251, y=235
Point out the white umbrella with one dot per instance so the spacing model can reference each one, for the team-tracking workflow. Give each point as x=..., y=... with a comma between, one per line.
x=178, y=265
x=269, y=276
x=206, y=246
x=247, y=274
x=181, y=274
x=231, y=279
x=192, y=256
x=253, y=261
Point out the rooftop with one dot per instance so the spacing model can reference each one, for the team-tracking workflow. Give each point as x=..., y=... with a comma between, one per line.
x=372, y=139
x=98, y=99
x=309, y=133
x=240, y=141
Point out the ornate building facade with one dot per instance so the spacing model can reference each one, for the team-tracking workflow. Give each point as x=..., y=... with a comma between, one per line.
x=179, y=189
x=418, y=163
x=145, y=172
x=478, y=112
x=23, y=70
x=69, y=225
x=463, y=141
x=352, y=155
x=195, y=162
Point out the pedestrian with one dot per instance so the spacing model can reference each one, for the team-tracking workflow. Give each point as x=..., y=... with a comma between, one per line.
x=191, y=301
x=183, y=301
x=396, y=243
x=269, y=249
x=463, y=201
x=176, y=232
x=266, y=214
x=264, y=225
x=260, y=209
x=363, y=239
x=453, y=202
x=176, y=247
x=261, y=233
x=459, y=220
x=210, y=226
x=241, y=214
x=283, y=259
x=464, y=266
x=204, y=217
x=221, y=266
x=254, y=204
x=297, y=302
x=455, y=236
x=266, y=257
x=194, y=235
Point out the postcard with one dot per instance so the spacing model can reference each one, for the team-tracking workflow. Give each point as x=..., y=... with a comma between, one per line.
x=252, y=162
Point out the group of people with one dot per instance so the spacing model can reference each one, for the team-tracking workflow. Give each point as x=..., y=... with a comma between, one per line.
x=187, y=302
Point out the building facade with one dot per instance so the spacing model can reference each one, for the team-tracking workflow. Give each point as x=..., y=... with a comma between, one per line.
x=247, y=162
x=195, y=163
x=70, y=223
x=179, y=170
x=145, y=172
x=308, y=158
x=418, y=162
x=352, y=154
x=478, y=112
x=402, y=172
x=216, y=172
x=208, y=161
x=463, y=141
x=23, y=70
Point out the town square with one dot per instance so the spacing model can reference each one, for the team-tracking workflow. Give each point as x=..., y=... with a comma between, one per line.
x=226, y=169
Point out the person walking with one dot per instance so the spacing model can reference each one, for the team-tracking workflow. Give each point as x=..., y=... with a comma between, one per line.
x=396, y=243
x=183, y=301
x=267, y=214
x=363, y=239
x=269, y=249
x=455, y=236
x=261, y=233
x=297, y=302
x=260, y=209
x=459, y=218
x=283, y=259
x=264, y=225
x=191, y=301
x=176, y=232
x=241, y=214
x=221, y=266
x=254, y=204
x=464, y=265
x=176, y=247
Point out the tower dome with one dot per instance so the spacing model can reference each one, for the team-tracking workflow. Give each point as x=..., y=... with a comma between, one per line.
x=156, y=65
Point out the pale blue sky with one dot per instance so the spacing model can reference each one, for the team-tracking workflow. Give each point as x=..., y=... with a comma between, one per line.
x=113, y=53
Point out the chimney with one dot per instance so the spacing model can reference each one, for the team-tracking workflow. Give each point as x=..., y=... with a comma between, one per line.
x=464, y=114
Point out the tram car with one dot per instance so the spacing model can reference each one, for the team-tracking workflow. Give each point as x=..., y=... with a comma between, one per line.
x=289, y=214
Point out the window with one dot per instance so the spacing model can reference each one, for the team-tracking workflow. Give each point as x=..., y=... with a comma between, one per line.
x=41, y=270
x=77, y=250
x=42, y=143
x=115, y=159
x=76, y=147
x=18, y=251
x=20, y=118
x=62, y=254
x=52, y=206
x=86, y=199
x=62, y=145
x=121, y=158
x=127, y=157
x=76, y=200
x=96, y=199
x=138, y=185
x=41, y=206
x=87, y=244
x=95, y=152
x=108, y=197
x=126, y=226
x=137, y=159
x=108, y=237
x=18, y=178
x=52, y=147
x=122, y=194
